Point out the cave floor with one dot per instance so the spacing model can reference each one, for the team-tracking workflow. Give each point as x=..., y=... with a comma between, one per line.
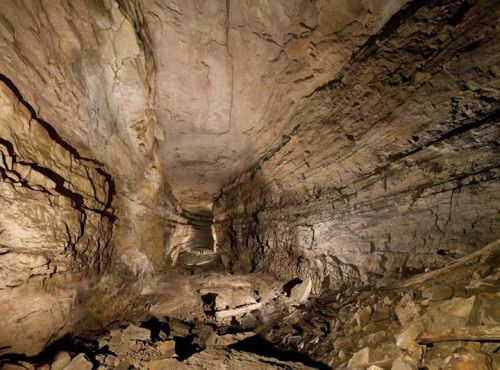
x=443, y=319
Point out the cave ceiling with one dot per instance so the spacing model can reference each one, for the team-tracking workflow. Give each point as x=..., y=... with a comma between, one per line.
x=230, y=75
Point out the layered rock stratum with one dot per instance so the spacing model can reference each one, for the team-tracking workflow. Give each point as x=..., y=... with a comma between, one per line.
x=156, y=157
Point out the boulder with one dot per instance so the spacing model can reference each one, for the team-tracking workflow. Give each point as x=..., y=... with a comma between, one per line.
x=406, y=309
x=301, y=292
x=133, y=332
x=468, y=360
x=362, y=316
x=486, y=310
x=451, y=313
x=437, y=292
x=362, y=357
x=373, y=339
x=404, y=362
x=342, y=342
x=406, y=340
x=80, y=362
x=167, y=348
x=381, y=312
x=62, y=359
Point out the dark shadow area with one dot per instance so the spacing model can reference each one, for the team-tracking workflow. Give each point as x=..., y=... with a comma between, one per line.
x=185, y=348
x=156, y=326
x=209, y=303
x=287, y=288
x=72, y=345
x=262, y=347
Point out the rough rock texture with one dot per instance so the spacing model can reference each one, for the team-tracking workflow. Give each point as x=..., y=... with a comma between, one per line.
x=390, y=168
x=230, y=74
x=79, y=168
x=403, y=330
x=55, y=221
x=368, y=130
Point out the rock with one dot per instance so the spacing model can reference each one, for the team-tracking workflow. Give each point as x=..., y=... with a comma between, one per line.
x=301, y=292
x=374, y=367
x=123, y=365
x=486, y=310
x=111, y=361
x=13, y=367
x=437, y=292
x=381, y=312
x=26, y=365
x=61, y=360
x=362, y=357
x=406, y=309
x=178, y=328
x=228, y=339
x=103, y=341
x=342, y=355
x=468, y=360
x=371, y=326
x=166, y=364
x=342, y=343
x=162, y=335
x=453, y=312
x=133, y=332
x=80, y=362
x=373, y=339
x=167, y=348
x=100, y=358
x=404, y=363
x=362, y=316
x=406, y=340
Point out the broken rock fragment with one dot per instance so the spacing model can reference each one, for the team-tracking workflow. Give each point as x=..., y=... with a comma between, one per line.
x=80, y=362
x=301, y=292
x=437, y=292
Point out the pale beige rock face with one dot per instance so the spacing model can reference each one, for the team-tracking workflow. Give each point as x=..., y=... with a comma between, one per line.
x=56, y=223
x=230, y=75
x=390, y=169
x=82, y=68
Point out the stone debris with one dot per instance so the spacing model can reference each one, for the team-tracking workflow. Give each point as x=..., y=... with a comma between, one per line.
x=133, y=332
x=362, y=316
x=80, y=362
x=61, y=360
x=362, y=357
x=167, y=348
x=360, y=327
x=301, y=292
x=437, y=292
x=237, y=311
x=413, y=324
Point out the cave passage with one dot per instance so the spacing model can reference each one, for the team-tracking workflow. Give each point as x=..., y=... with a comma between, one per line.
x=230, y=184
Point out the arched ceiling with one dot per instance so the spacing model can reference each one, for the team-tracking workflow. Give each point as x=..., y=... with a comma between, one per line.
x=230, y=75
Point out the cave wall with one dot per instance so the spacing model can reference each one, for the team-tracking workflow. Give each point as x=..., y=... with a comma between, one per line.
x=390, y=168
x=55, y=224
x=81, y=192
